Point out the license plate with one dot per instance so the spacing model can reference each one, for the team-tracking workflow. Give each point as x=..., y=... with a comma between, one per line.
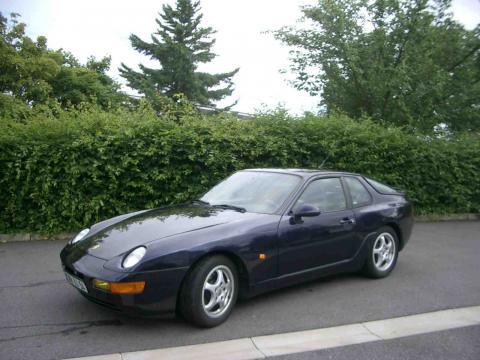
x=76, y=282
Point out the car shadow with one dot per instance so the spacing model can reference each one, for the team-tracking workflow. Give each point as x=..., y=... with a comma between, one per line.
x=243, y=305
x=308, y=286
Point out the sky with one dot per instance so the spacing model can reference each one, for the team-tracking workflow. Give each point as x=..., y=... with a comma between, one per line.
x=102, y=27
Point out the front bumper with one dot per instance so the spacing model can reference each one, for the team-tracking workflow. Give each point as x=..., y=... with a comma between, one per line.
x=158, y=298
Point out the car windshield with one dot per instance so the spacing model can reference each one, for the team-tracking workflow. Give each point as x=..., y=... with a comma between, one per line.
x=255, y=191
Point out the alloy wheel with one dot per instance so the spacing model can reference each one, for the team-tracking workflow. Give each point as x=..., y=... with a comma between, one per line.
x=383, y=251
x=218, y=291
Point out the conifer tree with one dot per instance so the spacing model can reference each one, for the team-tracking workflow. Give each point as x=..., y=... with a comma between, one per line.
x=179, y=45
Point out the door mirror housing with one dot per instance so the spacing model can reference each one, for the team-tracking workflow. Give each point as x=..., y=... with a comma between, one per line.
x=305, y=210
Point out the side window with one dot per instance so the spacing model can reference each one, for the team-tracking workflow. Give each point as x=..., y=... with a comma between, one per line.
x=360, y=195
x=327, y=194
x=381, y=188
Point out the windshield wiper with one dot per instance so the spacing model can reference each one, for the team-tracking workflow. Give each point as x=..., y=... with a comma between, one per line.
x=232, y=207
x=200, y=202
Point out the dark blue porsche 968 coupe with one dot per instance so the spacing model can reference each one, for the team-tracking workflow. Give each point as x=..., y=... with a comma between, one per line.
x=257, y=230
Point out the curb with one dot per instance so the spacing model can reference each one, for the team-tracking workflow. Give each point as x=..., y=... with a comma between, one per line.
x=450, y=217
x=34, y=237
x=67, y=236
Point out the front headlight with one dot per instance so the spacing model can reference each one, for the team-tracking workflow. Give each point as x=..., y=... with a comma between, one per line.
x=134, y=257
x=80, y=236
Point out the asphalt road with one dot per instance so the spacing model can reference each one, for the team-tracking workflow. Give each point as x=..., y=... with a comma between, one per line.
x=42, y=317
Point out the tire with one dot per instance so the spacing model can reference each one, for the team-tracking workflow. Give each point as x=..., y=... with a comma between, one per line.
x=209, y=291
x=381, y=257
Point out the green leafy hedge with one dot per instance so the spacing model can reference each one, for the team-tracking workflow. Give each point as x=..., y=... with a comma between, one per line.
x=62, y=173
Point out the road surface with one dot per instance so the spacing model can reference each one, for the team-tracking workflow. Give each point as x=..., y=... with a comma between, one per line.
x=43, y=317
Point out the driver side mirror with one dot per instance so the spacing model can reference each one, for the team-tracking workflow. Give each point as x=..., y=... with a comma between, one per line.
x=304, y=210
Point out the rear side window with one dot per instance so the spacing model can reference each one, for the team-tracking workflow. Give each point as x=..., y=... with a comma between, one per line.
x=360, y=195
x=381, y=188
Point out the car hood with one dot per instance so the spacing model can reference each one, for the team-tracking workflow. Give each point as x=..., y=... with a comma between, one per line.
x=142, y=228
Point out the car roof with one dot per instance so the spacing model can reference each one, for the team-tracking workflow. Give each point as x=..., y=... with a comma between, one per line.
x=305, y=173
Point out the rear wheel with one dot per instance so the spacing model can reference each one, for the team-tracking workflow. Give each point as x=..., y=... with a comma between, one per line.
x=382, y=253
x=210, y=291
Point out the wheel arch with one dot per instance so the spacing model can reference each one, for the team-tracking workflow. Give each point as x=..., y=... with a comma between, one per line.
x=243, y=277
x=398, y=232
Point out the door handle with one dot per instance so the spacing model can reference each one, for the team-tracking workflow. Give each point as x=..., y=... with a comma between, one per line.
x=345, y=221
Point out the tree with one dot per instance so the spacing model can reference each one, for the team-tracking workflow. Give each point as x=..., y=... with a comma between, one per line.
x=26, y=67
x=404, y=62
x=179, y=45
x=31, y=74
x=89, y=83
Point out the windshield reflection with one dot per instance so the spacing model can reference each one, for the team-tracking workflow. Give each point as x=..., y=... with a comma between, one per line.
x=255, y=191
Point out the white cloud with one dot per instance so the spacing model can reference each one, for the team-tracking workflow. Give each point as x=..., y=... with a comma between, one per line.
x=467, y=12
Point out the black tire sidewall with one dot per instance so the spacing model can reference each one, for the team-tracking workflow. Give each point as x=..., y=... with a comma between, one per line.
x=370, y=269
x=192, y=292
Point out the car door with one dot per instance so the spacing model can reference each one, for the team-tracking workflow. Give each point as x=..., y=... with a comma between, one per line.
x=320, y=240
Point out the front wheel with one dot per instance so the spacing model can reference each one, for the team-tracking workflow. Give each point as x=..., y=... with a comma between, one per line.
x=382, y=253
x=210, y=291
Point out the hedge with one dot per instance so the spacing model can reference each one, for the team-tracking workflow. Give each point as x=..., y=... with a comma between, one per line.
x=65, y=172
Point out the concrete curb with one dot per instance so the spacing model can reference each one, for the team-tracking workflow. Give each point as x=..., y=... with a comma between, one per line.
x=34, y=237
x=67, y=236
x=450, y=217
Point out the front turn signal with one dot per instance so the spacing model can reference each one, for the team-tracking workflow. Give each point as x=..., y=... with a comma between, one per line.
x=136, y=287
